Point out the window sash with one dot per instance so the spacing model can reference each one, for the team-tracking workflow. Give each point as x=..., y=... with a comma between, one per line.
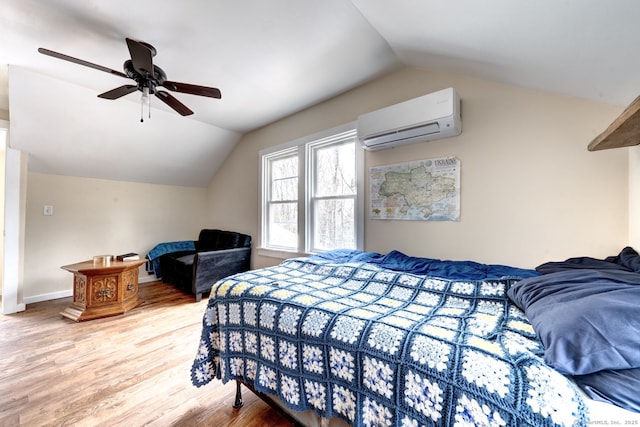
x=274, y=203
x=326, y=229
x=282, y=229
x=346, y=171
x=342, y=234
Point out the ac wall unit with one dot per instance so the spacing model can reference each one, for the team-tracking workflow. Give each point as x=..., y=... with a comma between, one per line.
x=428, y=117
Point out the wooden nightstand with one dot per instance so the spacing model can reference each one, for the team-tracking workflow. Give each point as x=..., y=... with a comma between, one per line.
x=102, y=289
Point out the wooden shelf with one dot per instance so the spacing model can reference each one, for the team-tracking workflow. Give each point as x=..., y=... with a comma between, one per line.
x=623, y=132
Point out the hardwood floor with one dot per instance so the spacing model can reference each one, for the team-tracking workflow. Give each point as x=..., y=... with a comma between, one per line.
x=129, y=370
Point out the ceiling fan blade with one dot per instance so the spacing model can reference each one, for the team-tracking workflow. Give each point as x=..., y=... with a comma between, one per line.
x=211, y=92
x=172, y=102
x=80, y=61
x=141, y=56
x=118, y=92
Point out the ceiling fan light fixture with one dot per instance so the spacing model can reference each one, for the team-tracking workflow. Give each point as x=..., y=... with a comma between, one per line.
x=145, y=95
x=145, y=99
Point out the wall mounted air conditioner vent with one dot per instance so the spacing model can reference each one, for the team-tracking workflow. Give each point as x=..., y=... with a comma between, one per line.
x=429, y=117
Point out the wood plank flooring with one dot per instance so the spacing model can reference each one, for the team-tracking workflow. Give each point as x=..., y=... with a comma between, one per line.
x=130, y=370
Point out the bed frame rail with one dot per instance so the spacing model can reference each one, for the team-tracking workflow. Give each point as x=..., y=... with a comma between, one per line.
x=238, y=403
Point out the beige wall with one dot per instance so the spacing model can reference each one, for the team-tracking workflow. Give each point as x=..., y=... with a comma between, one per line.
x=531, y=191
x=94, y=217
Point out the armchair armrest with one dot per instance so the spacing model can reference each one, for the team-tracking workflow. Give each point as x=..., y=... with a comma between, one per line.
x=162, y=249
x=211, y=266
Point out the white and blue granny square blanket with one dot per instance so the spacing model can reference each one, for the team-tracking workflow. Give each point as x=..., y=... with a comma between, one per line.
x=379, y=347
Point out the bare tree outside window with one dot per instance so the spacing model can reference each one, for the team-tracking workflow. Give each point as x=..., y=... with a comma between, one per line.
x=333, y=201
x=283, y=203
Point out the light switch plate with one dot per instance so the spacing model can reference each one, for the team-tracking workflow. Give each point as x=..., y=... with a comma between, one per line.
x=47, y=210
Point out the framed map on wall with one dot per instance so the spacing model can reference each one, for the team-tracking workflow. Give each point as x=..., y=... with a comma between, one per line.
x=422, y=190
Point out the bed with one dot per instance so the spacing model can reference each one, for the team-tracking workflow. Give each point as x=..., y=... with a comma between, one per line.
x=360, y=338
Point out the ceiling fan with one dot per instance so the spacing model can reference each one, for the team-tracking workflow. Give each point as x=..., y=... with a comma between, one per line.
x=148, y=77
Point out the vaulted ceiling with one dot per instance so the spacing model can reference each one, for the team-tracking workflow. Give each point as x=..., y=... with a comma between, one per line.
x=271, y=59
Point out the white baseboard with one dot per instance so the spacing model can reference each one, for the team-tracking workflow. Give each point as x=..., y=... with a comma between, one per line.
x=64, y=294
x=48, y=297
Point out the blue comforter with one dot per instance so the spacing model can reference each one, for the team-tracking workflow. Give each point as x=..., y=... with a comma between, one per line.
x=379, y=347
x=396, y=260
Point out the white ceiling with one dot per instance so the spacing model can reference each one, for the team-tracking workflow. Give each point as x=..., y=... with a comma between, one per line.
x=271, y=59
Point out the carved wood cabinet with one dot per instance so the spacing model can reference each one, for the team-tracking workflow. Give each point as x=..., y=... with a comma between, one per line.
x=101, y=290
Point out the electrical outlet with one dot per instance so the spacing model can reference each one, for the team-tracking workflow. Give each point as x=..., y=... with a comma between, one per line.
x=47, y=210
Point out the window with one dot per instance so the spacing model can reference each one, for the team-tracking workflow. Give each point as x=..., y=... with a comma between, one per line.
x=312, y=197
x=282, y=200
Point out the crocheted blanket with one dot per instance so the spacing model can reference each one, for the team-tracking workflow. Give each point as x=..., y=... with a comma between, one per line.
x=379, y=347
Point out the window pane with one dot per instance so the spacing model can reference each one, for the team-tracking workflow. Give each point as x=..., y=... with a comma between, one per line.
x=283, y=225
x=284, y=178
x=334, y=224
x=284, y=189
x=335, y=170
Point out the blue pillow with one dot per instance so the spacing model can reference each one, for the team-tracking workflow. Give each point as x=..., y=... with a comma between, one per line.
x=622, y=388
x=628, y=260
x=588, y=320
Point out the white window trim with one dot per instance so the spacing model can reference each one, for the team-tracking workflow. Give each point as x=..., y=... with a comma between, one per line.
x=303, y=198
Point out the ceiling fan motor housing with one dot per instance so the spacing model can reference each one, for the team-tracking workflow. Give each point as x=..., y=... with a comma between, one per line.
x=158, y=78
